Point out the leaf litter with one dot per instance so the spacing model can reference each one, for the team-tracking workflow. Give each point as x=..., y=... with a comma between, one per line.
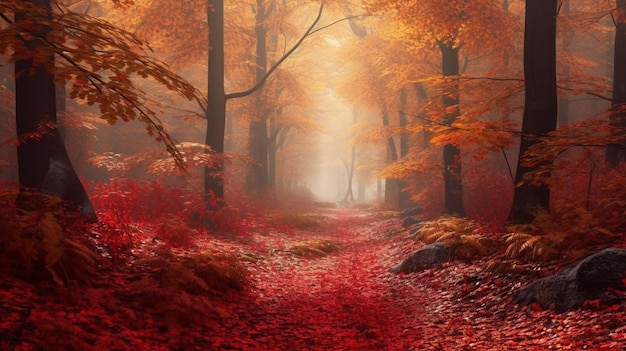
x=343, y=300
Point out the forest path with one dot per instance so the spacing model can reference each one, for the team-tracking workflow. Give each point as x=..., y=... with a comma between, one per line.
x=345, y=301
x=337, y=302
x=349, y=301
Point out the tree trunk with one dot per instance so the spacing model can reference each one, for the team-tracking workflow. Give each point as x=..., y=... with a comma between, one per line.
x=563, y=106
x=404, y=198
x=540, y=109
x=453, y=190
x=258, y=172
x=43, y=163
x=392, y=195
x=272, y=150
x=617, y=153
x=350, y=168
x=216, y=110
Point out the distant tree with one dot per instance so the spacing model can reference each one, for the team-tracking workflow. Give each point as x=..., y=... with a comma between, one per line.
x=351, y=166
x=216, y=111
x=616, y=153
x=540, y=107
x=450, y=26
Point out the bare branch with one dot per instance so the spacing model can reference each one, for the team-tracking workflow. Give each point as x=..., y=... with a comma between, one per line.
x=260, y=83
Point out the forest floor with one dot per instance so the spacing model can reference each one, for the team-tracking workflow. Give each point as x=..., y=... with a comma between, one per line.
x=345, y=300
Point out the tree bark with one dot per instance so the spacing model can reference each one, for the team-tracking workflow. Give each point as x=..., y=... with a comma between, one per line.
x=453, y=189
x=216, y=110
x=258, y=171
x=349, y=197
x=563, y=105
x=404, y=198
x=392, y=195
x=540, y=109
x=617, y=153
x=43, y=162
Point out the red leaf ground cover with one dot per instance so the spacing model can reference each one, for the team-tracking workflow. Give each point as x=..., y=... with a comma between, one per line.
x=346, y=300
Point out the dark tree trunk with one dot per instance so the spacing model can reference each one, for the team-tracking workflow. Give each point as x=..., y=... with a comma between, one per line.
x=404, y=198
x=272, y=150
x=453, y=189
x=258, y=171
x=43, y=163
x=563, y=107
x=276, y=140
x=617, y=153
x=216, y=110
x=274, y=129
x=540, y=109
x=421, y=97
x=392, y=195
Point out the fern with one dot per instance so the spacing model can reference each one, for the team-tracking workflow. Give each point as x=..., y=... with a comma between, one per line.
x=38, y=241
x=175, y=231
x=461, y=235
x=180, y=287
x=315, y=248
x=294, y=220
x=536, y=246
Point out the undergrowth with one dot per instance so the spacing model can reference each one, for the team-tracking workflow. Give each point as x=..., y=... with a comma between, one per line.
x=464, y=237
x=314, y=248
x=177, y=215
x=180, y=287
x=44, y=239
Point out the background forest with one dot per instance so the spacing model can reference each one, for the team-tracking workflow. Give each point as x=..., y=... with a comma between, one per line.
x=193, y=119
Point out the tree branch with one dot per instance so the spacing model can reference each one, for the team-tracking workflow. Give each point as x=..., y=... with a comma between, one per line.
x=280, y=61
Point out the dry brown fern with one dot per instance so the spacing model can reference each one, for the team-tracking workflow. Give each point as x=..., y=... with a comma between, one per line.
x=180, y=287
x=444, y=228
x=315, y=248
x=303, y=221
x=36, y=242
x=461, y=235
x=537, y=247
x=175, y=231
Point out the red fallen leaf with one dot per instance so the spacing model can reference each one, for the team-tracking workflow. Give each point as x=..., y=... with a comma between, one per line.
x=535, y=306
x=615, y=291
x=592, y=303
x=613, y=308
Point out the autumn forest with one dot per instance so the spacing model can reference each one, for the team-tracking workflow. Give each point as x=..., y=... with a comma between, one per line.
x=312, y=175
